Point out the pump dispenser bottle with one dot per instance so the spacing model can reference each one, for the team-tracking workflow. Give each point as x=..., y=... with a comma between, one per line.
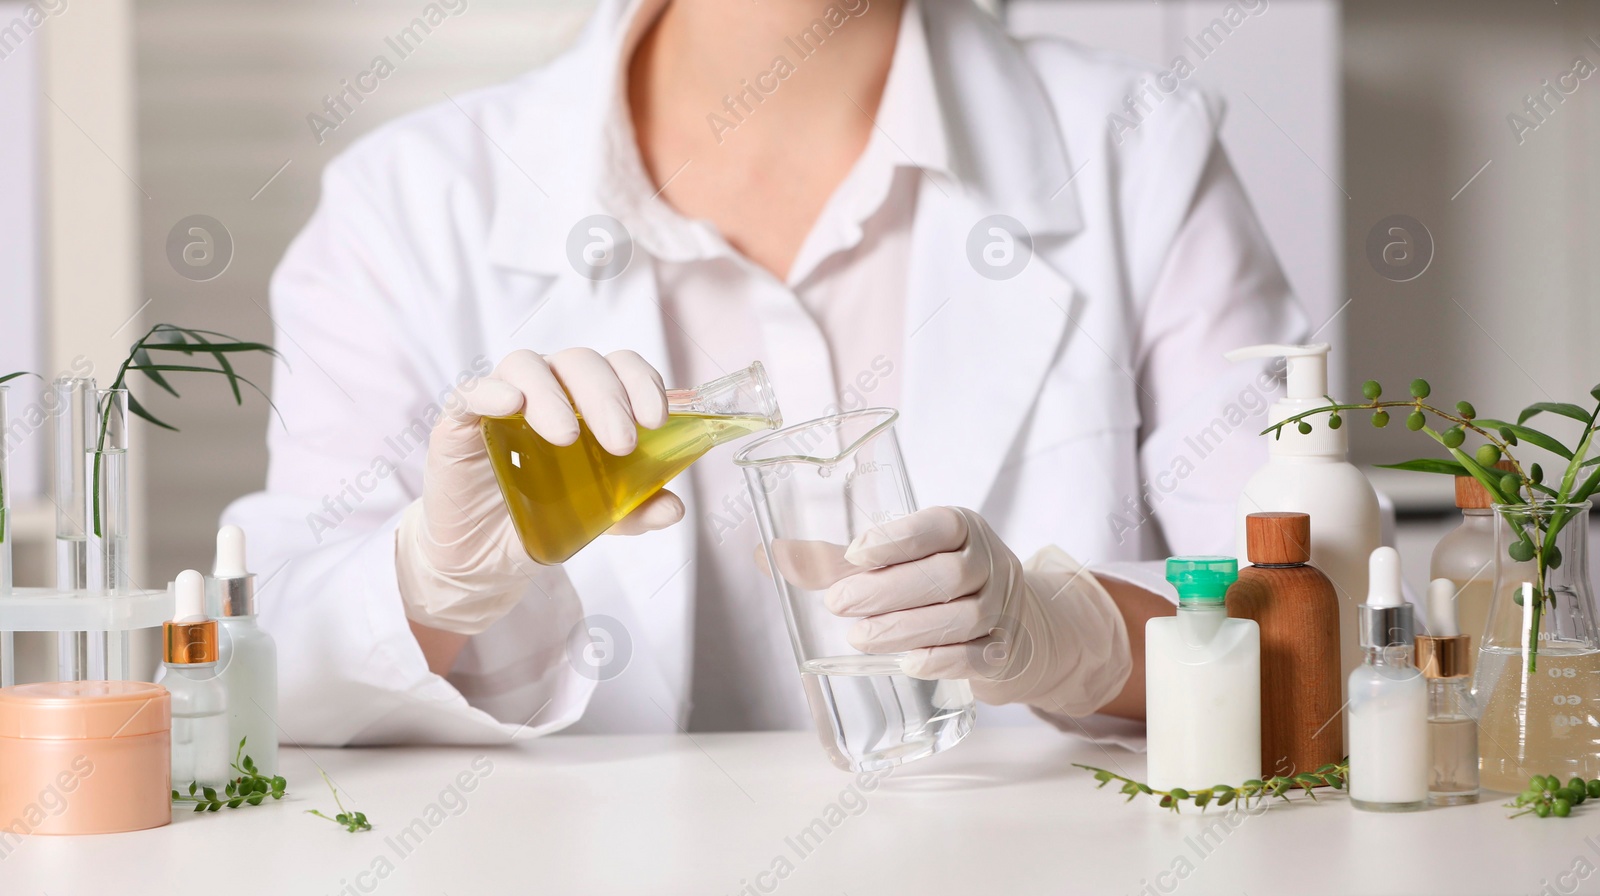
x=200, y=749
x=1388, y=715
x=1311, y=473
x=1202, y=683
x=1445, y=659
x=249, y=657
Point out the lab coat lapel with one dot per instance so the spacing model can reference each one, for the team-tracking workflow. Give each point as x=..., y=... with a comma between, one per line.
x=976, y=352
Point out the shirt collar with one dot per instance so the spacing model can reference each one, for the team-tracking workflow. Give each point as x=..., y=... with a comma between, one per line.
x=908, y=131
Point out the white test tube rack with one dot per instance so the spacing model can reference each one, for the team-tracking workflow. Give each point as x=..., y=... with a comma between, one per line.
x=65, y=612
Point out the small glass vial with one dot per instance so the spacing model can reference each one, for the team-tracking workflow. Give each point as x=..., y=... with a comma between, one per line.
x=1388, y=720
x=200, y=749
x=1445, y=659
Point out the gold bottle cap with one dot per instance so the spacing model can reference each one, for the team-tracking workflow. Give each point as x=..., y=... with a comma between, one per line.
x=188, y=643
x=1446, y=657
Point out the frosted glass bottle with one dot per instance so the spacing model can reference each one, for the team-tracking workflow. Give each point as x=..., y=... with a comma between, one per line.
x=1388, y=701
x=1202, y=683
x=1466, y=556
x=200, y=749
x=249, y=656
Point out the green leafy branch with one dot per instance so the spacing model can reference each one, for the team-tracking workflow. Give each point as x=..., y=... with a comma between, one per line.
x=1249, y=793
x=354, y=822
x=1537, y=511
x=6, y=378
x=250, y=788
x=152, y=356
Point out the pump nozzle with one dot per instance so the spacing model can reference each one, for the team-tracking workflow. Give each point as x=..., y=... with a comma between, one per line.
x=1383, y=578
x=1307, y=366
x=1442, y=621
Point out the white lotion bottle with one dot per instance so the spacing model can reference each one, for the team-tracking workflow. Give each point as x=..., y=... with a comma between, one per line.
x=1388, y=708
x=249, y=656
x=200, y=750
x=1202, y=683
x=1311, y=473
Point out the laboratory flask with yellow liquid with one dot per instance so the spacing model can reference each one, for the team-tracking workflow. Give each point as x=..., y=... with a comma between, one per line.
x=1538, y=674
x=563, y=497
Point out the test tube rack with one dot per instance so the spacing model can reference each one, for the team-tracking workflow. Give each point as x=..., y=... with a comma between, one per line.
x=66, y=612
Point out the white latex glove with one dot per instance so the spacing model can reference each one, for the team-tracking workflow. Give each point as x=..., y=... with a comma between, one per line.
x=461, y=566
x=947, y=593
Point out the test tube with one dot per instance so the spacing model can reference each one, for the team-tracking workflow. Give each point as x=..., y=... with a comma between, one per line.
x=106, y=466
x=74, y=411
x=8, y=641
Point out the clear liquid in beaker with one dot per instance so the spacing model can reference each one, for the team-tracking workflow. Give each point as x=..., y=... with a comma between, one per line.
x=1545, y=722
x=870, y=715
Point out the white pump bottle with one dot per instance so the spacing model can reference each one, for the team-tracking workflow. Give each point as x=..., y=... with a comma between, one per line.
x=1311, y=473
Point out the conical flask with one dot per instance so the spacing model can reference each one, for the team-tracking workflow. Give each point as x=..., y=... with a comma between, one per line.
x=1538, y=675
x=563, y=497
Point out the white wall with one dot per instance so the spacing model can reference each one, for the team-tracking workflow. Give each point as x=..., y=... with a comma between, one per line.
x=21, y=289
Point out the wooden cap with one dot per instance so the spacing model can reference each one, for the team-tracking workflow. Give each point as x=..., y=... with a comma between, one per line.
x=1278, y=539
x=1470, y=493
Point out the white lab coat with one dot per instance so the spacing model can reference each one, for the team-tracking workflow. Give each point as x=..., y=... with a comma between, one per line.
x=441, y=245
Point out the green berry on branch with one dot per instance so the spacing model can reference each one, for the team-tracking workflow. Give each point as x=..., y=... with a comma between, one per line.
x=1454, y=436
x=1509, y=483
x=1380, y=419
x=1536, y=473
x=1335, y=421
x=1304, y=427
x=1466, y=410
x=1372, y=390
x=1416, y=421
x=1521, y=552
x=1488, y=455
x=1420, y=389
x=1507, y=436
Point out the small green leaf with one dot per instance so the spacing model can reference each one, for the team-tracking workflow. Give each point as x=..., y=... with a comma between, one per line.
x=1515, y=432
x=1429, y=465
x=1555, y=407
x=193, y=788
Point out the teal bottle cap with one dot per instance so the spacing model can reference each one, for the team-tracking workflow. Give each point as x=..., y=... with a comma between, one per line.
x=1202, y=578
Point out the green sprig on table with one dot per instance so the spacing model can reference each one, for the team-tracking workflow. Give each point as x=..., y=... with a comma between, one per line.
x=1546, y=796
x=354, y=822
x=1249, y=793
x=1521, y=486
x=250, y=788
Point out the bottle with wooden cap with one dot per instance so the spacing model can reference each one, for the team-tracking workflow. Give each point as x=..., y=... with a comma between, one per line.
x=1297, y=608
x=1444, y=656
x=200, y=750
x=1466, y=556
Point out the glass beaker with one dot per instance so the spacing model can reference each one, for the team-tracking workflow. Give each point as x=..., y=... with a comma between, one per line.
x=1538, y=675
x=563, y=497
x=815, y=488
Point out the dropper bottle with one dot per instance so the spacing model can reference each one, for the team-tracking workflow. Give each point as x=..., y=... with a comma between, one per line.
x=249, y=656
x=200, y=751
x=1388, y=720
x=1445, y=657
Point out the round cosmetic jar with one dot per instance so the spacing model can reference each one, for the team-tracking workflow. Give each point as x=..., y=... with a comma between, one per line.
x=84, y=757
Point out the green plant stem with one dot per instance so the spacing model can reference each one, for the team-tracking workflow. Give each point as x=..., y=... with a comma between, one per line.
x=1332, y=775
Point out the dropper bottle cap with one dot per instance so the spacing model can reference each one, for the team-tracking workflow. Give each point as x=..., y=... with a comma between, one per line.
x=190, y=638
x=1445, y=653
x=1386, y=619
x=235, y=585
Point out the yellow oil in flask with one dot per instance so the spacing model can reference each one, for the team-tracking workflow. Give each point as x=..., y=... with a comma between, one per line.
x=562, y=497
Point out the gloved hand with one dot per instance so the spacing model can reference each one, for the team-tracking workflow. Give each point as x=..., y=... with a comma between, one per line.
x=460, y=564
x=944, y=590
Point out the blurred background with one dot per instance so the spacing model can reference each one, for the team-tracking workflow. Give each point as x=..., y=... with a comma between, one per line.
x=1428, y=232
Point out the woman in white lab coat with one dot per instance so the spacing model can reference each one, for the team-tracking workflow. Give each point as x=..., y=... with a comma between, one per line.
x=887, y=203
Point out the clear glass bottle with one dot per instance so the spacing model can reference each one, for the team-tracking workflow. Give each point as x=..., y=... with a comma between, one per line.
x=1538, y=673
x=200, y=749
x=1445, y=659
x=249, y=656
x=1466, y=556
x=1388, y=715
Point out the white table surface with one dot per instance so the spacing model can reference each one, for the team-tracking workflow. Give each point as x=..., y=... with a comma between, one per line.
x=1002, y=813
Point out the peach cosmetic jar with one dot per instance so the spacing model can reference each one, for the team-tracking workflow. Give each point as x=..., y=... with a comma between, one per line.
x=84, y=757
